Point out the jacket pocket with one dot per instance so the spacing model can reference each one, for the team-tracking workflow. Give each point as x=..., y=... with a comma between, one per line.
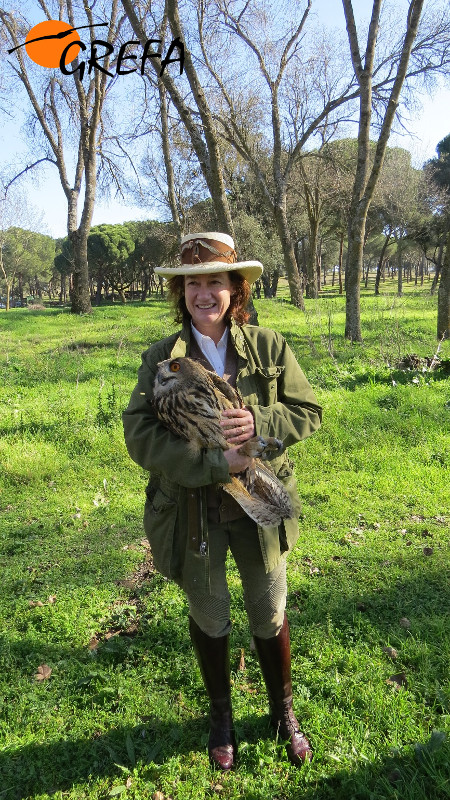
x=160, y=518
x=289, y=531
x=267, y=380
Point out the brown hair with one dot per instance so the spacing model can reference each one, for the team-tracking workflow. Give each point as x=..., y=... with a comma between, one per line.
x=238, y=301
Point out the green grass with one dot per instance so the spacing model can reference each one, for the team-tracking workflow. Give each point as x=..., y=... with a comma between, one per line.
x=123, y=711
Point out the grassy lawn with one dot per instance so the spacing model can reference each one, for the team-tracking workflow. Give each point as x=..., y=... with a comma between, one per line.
x=100, y=694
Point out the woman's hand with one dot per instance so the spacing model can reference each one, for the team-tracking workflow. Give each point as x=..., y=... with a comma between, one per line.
x=236, y=462
x=237, y=425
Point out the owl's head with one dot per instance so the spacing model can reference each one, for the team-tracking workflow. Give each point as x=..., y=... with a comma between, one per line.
x=175, y=372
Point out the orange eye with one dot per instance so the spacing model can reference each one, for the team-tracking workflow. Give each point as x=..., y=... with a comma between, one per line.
x=174, y=367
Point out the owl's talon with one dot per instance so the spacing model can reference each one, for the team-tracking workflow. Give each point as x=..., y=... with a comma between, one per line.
x=258, y=447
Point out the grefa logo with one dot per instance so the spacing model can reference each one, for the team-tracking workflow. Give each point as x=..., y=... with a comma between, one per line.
x=54, y=44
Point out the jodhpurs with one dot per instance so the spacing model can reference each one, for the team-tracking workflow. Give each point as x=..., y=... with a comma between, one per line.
x=264, y=593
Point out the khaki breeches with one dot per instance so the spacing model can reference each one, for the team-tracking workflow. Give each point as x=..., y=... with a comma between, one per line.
x=264, y=593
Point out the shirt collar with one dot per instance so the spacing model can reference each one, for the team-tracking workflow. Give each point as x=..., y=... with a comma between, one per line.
x=200, y=337
x=181, y=346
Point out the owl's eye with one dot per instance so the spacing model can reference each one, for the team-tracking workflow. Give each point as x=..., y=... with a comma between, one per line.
x=175, y=366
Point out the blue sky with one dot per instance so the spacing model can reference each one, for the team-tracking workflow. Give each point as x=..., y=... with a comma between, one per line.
x=426, y=128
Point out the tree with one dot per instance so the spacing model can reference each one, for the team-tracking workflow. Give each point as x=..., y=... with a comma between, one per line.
x=70, y=114
x=109, y=248
x=443, y=320
x=431, y=53
x=27, y=256
x=440, y=171
x=199, y=124
x=14, y=210
x=155, y=244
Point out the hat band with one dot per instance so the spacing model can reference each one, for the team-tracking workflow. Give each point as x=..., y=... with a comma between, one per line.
x=200, y=251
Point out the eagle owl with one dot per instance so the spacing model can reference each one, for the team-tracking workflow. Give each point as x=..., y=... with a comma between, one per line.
x=189, y=400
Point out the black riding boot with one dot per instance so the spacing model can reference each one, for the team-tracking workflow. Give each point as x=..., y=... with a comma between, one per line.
x=213, y=656
x=275, y=659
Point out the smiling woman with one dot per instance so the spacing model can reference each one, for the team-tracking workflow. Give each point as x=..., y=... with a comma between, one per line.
x=207, y=300
x=190, y=520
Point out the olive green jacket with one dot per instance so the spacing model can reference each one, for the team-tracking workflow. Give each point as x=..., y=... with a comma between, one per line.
x=275, y=390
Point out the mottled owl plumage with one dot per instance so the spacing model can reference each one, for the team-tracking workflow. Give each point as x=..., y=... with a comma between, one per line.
x=189, y=400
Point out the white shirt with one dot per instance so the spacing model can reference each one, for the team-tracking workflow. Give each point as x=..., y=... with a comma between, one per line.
x=215, y=354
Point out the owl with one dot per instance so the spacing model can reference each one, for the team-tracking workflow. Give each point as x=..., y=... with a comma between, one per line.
x=189, y=400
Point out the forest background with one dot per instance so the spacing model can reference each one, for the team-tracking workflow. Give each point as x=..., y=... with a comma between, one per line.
x=278, y=131
x=255, y=144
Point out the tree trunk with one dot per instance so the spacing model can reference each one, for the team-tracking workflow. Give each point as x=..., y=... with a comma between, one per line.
x=443, y=318
x=171, y=194
x=365, y=183
x=313, y=280
x=290, y=263
x=437, y=269
x=380, y=264
x=353, y=280
x=212, y=165
x=21, y=289
x=81, y=297
x=399, y=270
x=341, y=259
x=274, y=283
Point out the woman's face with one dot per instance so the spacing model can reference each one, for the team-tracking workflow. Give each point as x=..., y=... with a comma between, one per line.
x=208, y=300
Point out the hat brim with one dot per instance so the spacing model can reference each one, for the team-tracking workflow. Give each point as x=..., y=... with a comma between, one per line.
x=250, y=270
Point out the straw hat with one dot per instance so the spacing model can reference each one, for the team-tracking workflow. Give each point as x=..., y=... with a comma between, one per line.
x=206, y=253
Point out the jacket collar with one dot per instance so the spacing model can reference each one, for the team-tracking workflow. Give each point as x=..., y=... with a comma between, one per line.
x=182, y=344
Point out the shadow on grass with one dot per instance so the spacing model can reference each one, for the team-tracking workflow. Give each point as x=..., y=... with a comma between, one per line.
x=419, y=773
x=422, y=772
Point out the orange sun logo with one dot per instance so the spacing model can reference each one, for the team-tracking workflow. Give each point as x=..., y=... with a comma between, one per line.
x=46, y=42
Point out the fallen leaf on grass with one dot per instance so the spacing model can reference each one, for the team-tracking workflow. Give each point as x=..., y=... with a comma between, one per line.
x=52, y=598
x=34, y=603
x=43, y=672
x=241, y=666
x=405, y=623
x=128, y=584
x=390, y=651
x=314, y=571
x=117, y=790
x=110, y=634
x=158, y=796
x=397, y=681
x=348, y=539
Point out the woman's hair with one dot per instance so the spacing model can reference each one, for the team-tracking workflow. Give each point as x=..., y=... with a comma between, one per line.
x=238, y=301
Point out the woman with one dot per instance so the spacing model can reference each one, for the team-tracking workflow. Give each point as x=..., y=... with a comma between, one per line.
x=191, y=523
